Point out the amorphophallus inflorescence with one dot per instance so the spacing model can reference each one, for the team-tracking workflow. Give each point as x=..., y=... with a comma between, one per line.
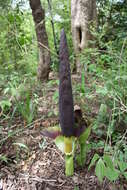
x=73, y=131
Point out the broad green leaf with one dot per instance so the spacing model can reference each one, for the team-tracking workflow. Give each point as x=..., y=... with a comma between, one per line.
x=112, y=174
x=83, y=137
x=108, y=161
x=100, y=170
x=122, y=166
x=94, y=159
x=59, y=141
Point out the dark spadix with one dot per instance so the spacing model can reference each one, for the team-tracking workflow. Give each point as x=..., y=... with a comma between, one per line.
x=66, y=109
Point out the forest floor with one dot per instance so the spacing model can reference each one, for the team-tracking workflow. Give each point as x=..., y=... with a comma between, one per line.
x=40, y=166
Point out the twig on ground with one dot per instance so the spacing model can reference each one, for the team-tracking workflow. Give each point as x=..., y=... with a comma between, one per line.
x=38, y=179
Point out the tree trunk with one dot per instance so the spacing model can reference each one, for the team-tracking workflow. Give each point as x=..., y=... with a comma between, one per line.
x=53, y=27
x=42, y=38
x=82, y=13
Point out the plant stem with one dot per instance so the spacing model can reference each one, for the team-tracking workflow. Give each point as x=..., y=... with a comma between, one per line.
x=69, y=165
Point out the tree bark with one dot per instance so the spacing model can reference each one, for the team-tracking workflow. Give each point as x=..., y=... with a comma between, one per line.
x=42, y=38
x=83, y=12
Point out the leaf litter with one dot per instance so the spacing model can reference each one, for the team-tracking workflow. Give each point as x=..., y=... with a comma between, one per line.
x=41, y=167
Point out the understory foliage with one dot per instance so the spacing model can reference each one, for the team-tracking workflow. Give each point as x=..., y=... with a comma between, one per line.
x=106, y=68
x=103, y=78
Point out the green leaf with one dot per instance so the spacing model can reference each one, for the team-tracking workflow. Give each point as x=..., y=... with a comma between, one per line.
x=92, y=68
x=55, y=97
x=102, y=91
x=108, y=161
x=102, y=113
x=124, y=77
x=122, y=166
x=11, y=17
x=112, y=174
x=4, y=158
x=42, y=144
x=6, y=90
x=94, y=159
x=59, y=141
x=100, y=170
x=21, y=145
x=76, y=188
x=5, y=103
x=125, y=174
x=84, y=136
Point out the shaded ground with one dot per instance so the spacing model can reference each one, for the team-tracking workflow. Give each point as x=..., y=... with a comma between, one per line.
x=41, y=166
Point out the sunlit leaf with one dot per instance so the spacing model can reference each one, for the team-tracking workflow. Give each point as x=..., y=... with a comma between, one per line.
x=108, y=161
x=94, y=159
x=100, y=170
x=122, y=165
x=111, y=174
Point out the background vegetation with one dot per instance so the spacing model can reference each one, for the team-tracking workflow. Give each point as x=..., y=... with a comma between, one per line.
x=103, y=81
